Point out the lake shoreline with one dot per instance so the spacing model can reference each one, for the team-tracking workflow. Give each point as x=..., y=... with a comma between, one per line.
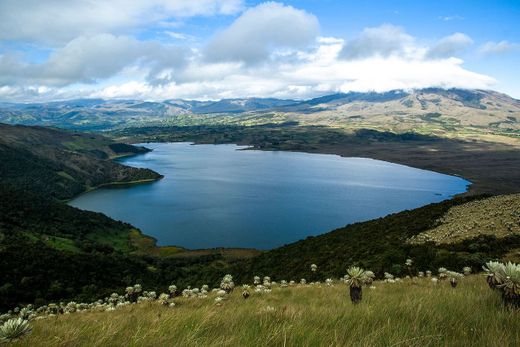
x=348, y=218
x=471, y=190
x=490, y=166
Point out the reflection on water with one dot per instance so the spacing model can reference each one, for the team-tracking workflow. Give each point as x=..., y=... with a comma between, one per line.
x=218, y=196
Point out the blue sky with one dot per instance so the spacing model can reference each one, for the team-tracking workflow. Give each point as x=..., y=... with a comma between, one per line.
x=211, y=49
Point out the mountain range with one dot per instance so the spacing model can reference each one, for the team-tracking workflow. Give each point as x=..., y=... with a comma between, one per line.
x=449, y=107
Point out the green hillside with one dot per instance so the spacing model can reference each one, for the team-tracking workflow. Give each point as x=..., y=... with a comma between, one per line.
x=61, y=164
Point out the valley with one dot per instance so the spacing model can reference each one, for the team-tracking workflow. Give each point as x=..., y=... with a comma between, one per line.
x=39, y=231
x=259, y=173
x=67, y=239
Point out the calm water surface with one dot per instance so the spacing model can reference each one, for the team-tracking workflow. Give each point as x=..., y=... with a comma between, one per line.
x=220, y=196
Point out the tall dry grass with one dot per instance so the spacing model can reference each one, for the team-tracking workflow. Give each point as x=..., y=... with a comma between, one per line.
x=392, y=314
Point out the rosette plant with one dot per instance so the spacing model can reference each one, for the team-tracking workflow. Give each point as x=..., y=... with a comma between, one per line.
x=510, y=285
x=494, y=273
x=506, y=279
x=14, y=329
x=227, y=284
x=172, y=289
x=356, y=277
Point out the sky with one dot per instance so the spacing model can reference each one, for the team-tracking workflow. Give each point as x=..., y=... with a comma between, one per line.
x=214, y=49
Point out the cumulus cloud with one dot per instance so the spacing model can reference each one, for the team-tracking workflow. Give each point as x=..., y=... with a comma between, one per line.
x=88, y=59
x=259, y=30
x=312, y=72
x=449, y=46
x=312, y=79
x=57, y=21
x=491, y=48
x=382, y=41
x=270, y=50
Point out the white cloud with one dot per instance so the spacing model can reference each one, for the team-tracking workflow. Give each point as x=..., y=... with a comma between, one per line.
x=449, y=46
x=490, y=47
x=450, y=18
x=308, y=80
x=382, y=41
x=89, y=59
x=312, y=72
x=178, y=36
x=57, y=21
x=270, y=50
x=316, y=73
x=257, y=32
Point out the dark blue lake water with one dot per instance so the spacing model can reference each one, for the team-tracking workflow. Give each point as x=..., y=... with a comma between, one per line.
x=220, y=196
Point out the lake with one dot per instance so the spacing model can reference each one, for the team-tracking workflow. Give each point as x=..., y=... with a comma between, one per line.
x=223, y=196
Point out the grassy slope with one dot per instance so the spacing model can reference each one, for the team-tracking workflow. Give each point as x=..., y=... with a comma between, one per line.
x=400, y=314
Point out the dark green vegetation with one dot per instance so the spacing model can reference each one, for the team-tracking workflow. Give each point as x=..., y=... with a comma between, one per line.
x=52, y=251
x=491, y=167
x=60, y=164
x=379, y=245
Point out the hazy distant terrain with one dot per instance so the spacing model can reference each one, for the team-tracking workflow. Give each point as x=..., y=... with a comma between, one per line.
x=466, y=113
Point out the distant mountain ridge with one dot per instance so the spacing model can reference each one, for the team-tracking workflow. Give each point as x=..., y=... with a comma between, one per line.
x=99, y=114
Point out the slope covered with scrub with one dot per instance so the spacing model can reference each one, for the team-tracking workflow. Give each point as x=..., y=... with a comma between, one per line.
x=498, y=216
x=416, y=312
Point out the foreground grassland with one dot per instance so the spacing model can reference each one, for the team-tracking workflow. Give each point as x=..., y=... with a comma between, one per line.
x=407, y=313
